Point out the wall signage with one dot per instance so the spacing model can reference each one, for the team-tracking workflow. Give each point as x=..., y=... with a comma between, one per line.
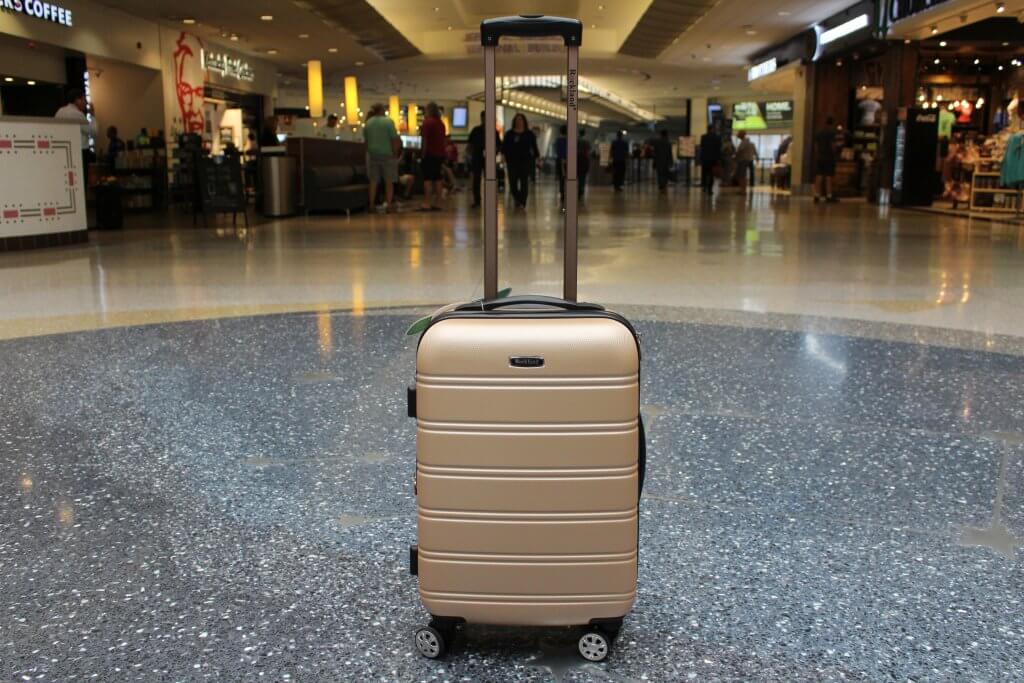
x=227, y=66
x=901, y=9
x=766, y=67
x=778, y=111
x=46, y=11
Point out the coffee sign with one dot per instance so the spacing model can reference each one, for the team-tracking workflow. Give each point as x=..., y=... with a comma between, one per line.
x=228, y=66
x=46, y=11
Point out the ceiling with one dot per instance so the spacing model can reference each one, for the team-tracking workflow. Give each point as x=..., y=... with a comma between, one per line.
x=431, y=49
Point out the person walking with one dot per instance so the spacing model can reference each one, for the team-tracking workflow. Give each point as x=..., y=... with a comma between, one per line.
x=561, y=155
x=620, y=155
x=710, y=157
x=432, y=132
x=521, y=154
x=662, y=152
x=583, y=151
x=477, y=144
x=383, y=146
x=825, y=161
x=746, y=154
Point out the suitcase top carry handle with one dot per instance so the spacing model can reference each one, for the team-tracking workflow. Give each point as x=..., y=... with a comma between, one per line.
x=571, y=31
x=531, y=25
x=530, y=300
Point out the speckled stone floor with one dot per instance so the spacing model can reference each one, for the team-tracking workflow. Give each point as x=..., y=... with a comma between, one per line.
x=232, y=499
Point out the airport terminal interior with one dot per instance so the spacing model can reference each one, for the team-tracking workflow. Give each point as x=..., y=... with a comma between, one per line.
x=228, y=233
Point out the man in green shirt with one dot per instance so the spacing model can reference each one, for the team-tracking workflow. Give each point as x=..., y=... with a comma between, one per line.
x=383, y=147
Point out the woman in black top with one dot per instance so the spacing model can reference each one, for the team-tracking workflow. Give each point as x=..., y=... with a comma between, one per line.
x=521, y=155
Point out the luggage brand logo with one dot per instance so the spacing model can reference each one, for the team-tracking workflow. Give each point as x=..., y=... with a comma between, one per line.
x=526, y=361
x=571, y=89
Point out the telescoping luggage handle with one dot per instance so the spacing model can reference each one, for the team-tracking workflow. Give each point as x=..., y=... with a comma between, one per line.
x=532, y=25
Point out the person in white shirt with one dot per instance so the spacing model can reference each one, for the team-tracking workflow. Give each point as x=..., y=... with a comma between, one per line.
x=78, y=110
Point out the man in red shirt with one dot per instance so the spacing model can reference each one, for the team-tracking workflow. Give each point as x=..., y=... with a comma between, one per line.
x=432, y=132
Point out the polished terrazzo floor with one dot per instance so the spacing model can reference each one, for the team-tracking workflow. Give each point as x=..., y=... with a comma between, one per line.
x=232, y=500
x=767, y=253
x=207, y=473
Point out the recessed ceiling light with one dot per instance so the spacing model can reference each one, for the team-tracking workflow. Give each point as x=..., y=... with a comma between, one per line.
x=271, y=51
x=303, y=36
x=30, y=82
x=1000, y=67
x=935, y=29
x=977, y=61
x=8, y=79
x=449, y=27
x=360, y=63
x=267, y=17
x=783, y=13
x=332, y=49
x=1005, y=43
x=906, y=41
x=188, y=20
x=234, y=37
x=937, y=60
x=593, y=26
x=600, y=8
x=751, y=32
x=943, y=43
x=1000, y=8
x=705, y=59
x=437, y=9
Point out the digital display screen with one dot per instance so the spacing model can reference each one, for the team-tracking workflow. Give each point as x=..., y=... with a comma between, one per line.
x=459, y=117
x=747, y=116
x=412, y=141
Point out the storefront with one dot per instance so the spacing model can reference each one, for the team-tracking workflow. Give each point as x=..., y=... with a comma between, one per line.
x=780, y=75
x=962, y=114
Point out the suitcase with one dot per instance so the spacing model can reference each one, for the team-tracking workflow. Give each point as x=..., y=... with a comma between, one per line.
x=529, y=444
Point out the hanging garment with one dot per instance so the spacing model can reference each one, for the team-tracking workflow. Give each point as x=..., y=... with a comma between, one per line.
x=1013, y=162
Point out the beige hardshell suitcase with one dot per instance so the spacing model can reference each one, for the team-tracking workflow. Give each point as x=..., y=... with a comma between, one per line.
x=530, y=448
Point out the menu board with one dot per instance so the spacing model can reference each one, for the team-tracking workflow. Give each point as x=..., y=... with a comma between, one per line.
x=778, y=111
x=762, y=115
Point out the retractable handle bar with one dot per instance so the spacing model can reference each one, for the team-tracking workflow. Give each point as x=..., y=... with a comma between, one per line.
x=530, y=25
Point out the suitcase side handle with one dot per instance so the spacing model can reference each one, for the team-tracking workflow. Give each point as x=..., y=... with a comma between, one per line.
x=532, y=299
x=531, y=25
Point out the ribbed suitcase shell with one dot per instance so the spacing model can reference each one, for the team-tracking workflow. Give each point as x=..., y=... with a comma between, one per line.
x=527, y=478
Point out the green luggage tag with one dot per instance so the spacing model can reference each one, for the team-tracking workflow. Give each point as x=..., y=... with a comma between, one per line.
x=422, y=324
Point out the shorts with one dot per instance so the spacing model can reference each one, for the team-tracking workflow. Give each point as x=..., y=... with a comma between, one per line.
x=382, y=168
x=432, y=167
x=825, y=167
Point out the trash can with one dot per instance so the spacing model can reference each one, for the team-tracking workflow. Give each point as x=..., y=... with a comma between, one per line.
x=279, y=177
x=109, y=213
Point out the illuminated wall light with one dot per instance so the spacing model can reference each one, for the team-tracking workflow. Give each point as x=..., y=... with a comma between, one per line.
x=447, y=124
x=394, y=111
x=844, y=29
x=351, y=100
x=315, y=87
